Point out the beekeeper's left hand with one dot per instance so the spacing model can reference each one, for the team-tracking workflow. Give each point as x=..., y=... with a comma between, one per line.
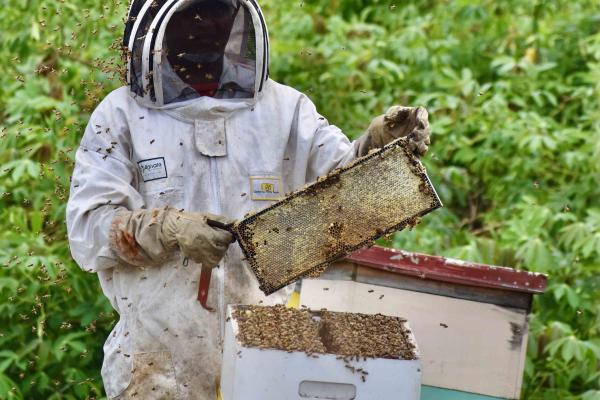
x=397, y=122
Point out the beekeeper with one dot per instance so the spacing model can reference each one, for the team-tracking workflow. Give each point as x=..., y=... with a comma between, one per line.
x=200, y=129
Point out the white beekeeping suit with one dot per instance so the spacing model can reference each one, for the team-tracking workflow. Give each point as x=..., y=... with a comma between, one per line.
x=196, y=130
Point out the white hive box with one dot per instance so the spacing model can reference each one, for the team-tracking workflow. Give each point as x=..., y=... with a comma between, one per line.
x=255, y=374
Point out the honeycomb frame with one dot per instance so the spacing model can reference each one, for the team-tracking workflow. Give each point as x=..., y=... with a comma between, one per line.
x=334, y=238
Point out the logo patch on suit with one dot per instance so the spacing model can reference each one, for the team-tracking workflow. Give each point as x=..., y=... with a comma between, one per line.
x=153, y=169
x=265, y=188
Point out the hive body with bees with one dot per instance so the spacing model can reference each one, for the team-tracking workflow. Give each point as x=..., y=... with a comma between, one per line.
x=299, y=236
x=274, y=353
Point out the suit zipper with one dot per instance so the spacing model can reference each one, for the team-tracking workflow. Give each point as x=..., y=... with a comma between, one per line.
x=216, y=197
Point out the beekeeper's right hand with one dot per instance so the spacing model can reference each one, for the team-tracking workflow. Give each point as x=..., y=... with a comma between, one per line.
x=150, y=237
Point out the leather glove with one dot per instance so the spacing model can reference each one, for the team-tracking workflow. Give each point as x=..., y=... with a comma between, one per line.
x=195, y=238
x=397, y=122
x=150, y=237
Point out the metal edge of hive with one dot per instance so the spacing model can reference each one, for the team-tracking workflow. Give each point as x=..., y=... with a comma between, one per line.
x=436, y=198
x=240, y=226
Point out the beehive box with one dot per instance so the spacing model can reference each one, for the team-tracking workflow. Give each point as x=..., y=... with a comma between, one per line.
x=255, y=373
x=471, y=319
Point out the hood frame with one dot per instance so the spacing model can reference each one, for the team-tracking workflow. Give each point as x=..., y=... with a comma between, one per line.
x=152, y=48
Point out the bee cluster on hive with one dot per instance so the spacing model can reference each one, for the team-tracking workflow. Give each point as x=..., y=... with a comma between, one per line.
x=348, y=335
x=279, y=328
x=362, y=335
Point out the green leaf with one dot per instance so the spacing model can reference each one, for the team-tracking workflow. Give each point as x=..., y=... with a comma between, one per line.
x=6, y=388
x=568, y=349
x=535, y=254
x=35, y=31
x=591, y=395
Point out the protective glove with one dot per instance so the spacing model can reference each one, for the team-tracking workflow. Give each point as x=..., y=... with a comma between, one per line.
x=397, y=122
x=150, y=237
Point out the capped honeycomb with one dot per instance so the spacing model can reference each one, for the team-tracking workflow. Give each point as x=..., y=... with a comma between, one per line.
x=351, y=207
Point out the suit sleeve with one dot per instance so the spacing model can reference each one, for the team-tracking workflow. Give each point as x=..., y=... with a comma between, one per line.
x=330, y=148
x=103, y=182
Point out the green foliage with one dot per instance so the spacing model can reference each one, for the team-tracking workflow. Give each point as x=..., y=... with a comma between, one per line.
x=53, y=317
x=513, y=90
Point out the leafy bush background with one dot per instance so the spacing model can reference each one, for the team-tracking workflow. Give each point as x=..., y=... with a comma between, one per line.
x=513, y=89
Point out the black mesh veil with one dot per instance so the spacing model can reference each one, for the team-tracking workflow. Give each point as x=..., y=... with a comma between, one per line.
x=134, y=10
x=179, y=50
x=208, y=48
x=141, y=16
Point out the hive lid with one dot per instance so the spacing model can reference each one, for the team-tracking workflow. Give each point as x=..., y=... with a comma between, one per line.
x=443, y=269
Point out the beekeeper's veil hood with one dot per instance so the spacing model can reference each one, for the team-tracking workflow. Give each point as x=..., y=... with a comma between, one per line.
x=181, y=51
